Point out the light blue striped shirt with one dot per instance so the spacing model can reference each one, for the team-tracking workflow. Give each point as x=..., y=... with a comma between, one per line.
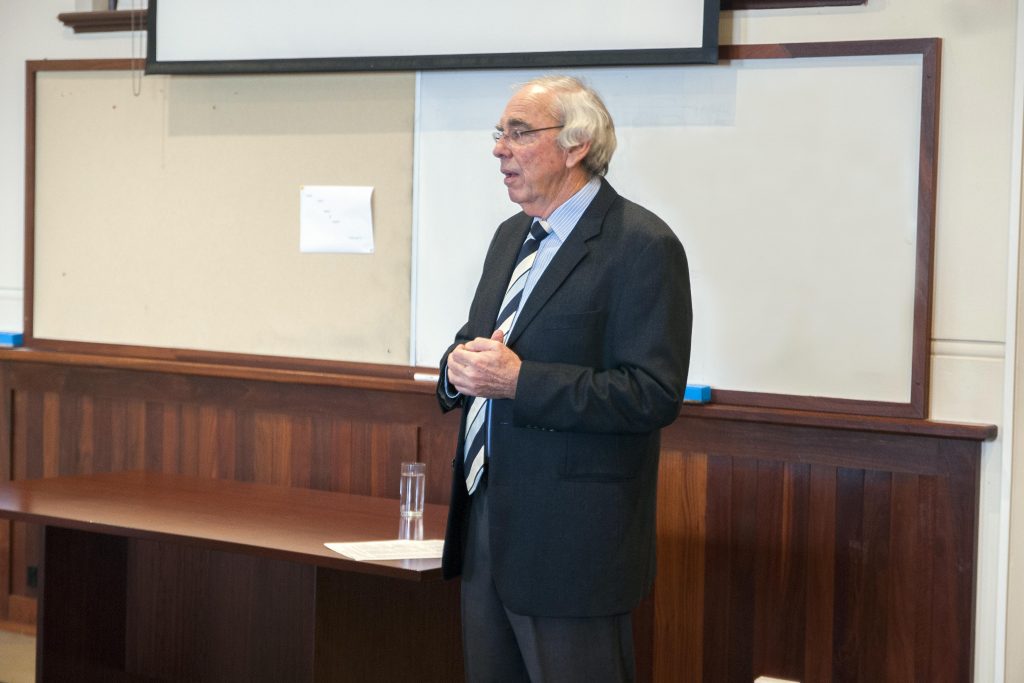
x=561, y=222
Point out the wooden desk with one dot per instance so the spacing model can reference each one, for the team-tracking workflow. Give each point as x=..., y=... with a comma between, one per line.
x=159, y=576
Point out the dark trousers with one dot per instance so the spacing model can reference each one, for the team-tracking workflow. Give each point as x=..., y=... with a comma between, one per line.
x=501, y=646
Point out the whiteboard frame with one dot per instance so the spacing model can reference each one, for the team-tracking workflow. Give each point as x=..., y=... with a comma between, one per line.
x=930, y=50
x=845, y=384
x=915, y=408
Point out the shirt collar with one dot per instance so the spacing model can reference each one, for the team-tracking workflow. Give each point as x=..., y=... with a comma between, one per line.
x=563, y=219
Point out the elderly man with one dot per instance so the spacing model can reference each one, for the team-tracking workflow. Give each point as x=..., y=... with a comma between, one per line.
x=574, y=357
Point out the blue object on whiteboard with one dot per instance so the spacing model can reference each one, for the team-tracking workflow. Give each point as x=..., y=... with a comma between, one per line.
x=697, y=393
x=11, y=338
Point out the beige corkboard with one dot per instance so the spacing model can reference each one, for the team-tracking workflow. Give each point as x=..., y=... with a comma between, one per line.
x=171, y=218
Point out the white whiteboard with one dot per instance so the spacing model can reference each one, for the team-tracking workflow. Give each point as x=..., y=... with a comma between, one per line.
x=792, y=183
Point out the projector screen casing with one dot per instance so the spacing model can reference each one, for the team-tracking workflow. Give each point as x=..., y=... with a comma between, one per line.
x=259, y=36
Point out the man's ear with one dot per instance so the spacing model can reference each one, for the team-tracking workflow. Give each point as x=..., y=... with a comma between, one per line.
x=576, y=154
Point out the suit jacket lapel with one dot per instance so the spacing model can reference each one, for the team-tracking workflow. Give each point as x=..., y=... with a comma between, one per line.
x=569, y=254
x=497, y=282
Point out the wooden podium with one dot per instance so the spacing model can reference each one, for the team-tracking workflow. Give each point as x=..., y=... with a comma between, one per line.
x=150, y=576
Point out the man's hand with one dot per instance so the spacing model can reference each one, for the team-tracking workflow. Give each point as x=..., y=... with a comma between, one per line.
x=484, y=367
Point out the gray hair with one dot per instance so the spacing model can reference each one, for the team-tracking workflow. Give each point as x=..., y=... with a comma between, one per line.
x=584, y=118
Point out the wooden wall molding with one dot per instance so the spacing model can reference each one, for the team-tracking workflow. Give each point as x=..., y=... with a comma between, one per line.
x=100, y=21
x=400, y=380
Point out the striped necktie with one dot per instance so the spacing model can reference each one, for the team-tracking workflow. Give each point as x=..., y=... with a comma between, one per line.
x=474, y=451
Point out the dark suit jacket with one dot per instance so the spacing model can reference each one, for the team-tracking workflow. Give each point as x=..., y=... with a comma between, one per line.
x=572, y=473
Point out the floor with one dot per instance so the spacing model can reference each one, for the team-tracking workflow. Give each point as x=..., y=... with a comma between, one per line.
x=17, y=657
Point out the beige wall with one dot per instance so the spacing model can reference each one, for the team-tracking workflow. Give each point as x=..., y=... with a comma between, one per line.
x=973, y=229
x=1015, y=571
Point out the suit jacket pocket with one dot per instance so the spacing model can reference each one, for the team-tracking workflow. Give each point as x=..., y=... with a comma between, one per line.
x=604, y=457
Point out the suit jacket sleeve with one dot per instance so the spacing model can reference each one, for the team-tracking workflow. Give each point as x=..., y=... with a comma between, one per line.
x=646, y=344
x=444, y=400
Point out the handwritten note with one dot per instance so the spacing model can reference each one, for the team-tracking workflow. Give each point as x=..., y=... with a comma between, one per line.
x=335, y=219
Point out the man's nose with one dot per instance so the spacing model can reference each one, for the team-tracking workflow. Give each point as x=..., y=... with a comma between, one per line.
x=500, y=149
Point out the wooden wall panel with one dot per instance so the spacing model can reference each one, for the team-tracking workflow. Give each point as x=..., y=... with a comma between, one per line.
x=437, y=448
x=821, y=568
x=6, y=472
x=681, y=563
x=815, y=572
x=780, y=583
x=81, y=434
x=810, y=549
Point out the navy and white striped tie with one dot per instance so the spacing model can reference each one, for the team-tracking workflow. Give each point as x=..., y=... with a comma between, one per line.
x=475, y=449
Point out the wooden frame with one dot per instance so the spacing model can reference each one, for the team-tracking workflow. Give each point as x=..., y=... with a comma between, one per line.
x=372, y=375
x=930, y=51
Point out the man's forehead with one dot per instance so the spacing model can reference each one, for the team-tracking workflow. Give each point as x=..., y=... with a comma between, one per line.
x=526, y=108
x=514, y=122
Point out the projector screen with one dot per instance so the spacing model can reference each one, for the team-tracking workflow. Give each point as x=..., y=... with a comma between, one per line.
x=232, y=36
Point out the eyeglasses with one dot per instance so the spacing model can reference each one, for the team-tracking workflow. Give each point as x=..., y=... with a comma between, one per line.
x=518, y=137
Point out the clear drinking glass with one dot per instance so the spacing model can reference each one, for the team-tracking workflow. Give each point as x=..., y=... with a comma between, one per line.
x=413, y=488
x=410, y=529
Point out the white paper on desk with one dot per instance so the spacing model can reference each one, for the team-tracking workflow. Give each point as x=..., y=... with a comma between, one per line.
x=335, y=219
x=390, y=550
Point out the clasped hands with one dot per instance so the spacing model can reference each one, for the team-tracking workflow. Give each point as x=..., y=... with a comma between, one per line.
x=484, y=367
